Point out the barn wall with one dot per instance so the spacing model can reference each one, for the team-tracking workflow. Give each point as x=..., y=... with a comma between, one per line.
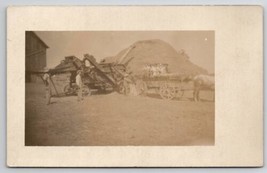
x=35, y=56
x=36, y=61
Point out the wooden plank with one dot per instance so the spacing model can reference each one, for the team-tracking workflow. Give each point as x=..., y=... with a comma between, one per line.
x=54, y=86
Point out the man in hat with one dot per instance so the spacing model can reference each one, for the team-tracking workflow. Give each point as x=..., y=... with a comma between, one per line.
x=79, y=83
x=47, y=82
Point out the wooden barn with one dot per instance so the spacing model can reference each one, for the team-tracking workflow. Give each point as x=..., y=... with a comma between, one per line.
x=35, y=54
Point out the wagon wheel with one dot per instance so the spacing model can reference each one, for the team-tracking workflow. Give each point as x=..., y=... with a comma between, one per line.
x=86, y=91
x=141, y=87
x=166, y=92
x=70, y=90
x=179, y=93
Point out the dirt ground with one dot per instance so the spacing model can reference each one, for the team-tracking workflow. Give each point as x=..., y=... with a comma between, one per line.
x=117, y=120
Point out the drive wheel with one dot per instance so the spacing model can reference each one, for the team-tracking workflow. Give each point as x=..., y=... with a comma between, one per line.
x=68, y=90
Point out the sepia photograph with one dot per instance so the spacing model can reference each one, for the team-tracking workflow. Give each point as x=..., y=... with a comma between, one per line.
x=134, y=86
x=119, y=88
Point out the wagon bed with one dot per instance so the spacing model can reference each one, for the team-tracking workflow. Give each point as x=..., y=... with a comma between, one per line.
x=168, y=86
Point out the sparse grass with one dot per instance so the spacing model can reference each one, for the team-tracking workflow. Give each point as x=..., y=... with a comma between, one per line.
x=114, y=119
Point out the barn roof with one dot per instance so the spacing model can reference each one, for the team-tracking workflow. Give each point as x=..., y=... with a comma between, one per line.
x=38, y=38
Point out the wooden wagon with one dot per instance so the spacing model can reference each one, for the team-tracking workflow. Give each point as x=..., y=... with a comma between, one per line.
x=168, y=85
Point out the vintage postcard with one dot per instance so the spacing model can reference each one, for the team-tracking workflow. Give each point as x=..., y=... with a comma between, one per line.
x=135, y=86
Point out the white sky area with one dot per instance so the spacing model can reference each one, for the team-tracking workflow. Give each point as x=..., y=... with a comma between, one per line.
x=198, y=45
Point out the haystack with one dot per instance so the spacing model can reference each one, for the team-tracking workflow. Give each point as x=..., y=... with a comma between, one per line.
x=154, y=52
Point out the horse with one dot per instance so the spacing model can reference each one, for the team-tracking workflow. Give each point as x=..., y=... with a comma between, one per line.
x=203, y=82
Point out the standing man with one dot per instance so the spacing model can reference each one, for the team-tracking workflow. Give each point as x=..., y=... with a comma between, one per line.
x=79, y=83
x=47, y=82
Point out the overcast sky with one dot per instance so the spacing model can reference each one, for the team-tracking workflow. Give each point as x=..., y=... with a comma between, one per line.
x=199, y=45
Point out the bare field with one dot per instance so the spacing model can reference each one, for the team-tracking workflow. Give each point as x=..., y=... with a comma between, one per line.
x=117, y=120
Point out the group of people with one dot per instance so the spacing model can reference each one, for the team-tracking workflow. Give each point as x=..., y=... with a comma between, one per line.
x=48, y=86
